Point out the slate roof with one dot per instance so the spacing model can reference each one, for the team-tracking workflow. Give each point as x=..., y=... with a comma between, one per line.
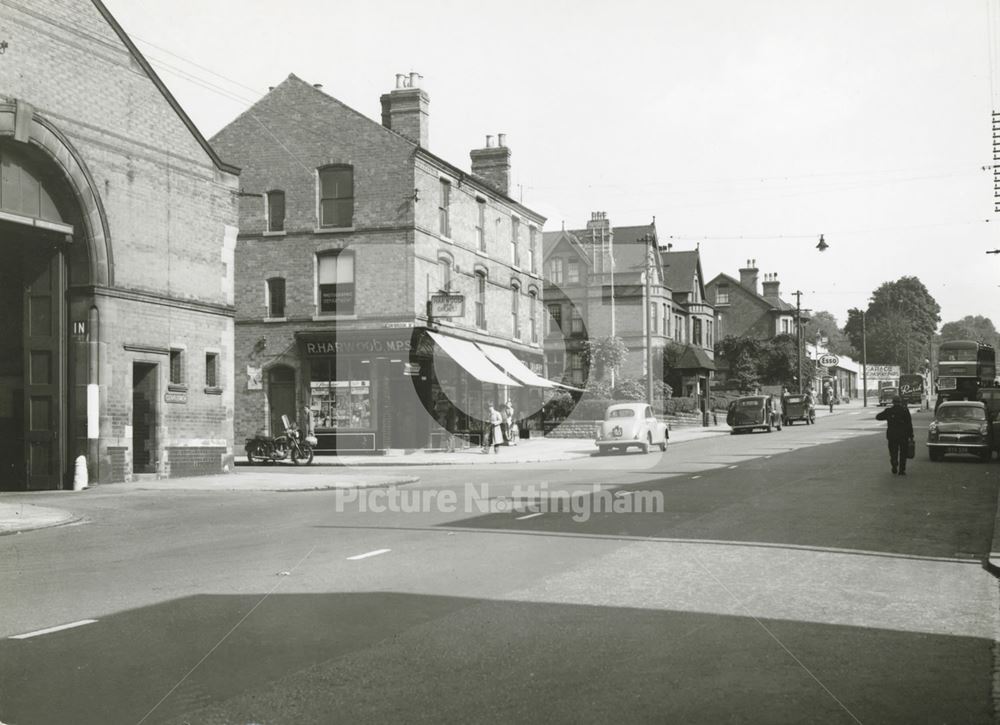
x=778, y=304
x=695, y=358
x=680, y=269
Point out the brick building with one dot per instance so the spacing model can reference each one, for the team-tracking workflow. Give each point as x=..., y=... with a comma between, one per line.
x=691, y=351
x=744, y=310
x=117, y=225
x=378, y=286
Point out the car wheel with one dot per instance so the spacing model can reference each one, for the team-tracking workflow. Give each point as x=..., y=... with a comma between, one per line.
x=663, y=444
x=251, y=458
x=648, y=444
x=985, y=455
x=768, y=428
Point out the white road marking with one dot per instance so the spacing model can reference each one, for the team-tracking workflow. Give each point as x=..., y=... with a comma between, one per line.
x=370, y=553
x=693, y=477
x=529, y=516
x=50, y=630
x=732, y=467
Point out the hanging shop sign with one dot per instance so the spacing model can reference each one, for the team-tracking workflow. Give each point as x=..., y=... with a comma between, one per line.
x=446, y=305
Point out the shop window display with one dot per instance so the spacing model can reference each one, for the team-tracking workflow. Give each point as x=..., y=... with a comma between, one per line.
x=341, y=404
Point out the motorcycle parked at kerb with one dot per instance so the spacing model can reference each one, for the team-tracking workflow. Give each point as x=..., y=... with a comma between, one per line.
x=290, y=445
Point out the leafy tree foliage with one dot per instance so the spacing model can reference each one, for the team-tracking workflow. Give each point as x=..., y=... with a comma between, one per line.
x=823, y=325
x=971, y=328
x=900, y=322
x=604, y=355
x=752, y=361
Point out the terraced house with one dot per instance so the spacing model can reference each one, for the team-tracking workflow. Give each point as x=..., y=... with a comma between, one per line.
x=383, y=294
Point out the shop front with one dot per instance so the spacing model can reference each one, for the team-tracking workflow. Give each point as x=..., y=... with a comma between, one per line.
x=370, y=391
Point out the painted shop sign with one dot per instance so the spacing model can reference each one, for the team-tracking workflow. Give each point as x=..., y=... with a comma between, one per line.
x=447, y=305
x=356, y=346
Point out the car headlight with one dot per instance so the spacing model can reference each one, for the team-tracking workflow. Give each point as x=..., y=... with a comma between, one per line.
x=982, y=429
x=932, y=428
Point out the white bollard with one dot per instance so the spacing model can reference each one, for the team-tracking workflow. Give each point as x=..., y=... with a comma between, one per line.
x=80, y=473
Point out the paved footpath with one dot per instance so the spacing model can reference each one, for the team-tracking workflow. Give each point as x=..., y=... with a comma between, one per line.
x=19, y=516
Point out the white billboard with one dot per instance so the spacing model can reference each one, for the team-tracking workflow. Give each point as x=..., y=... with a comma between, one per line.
x=882, y=372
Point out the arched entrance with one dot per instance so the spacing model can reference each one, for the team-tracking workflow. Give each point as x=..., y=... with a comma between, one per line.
x=46, y=246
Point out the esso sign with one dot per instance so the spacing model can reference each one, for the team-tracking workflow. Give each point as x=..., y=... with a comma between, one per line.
x=829, y=361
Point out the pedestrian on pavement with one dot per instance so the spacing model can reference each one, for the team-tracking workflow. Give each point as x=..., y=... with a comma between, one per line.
x=512, y=430
x=898, y=433
x=495, y=429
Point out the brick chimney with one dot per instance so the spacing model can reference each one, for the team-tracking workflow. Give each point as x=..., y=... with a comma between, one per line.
x=404, y=108
x=748, y=275
x=770, y=287
x=492, y=163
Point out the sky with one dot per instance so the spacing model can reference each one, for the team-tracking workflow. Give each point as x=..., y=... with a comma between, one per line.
x=746, y=129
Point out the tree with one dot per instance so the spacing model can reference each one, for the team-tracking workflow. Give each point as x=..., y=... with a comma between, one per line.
x=779, y=361
x=901, y=319
x=971, y=328
x=604, y=355
x=823, y=326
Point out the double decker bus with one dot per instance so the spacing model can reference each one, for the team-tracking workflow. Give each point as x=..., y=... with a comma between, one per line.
x=963, y=367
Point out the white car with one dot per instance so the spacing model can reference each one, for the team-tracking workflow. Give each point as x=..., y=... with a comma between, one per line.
x=631, y=424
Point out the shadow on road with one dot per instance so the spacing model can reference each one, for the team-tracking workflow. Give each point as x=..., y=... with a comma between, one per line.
x=388, y=657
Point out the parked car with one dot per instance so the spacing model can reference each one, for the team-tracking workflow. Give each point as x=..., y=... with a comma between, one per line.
x=886, y=394
x=630, y=424
x=796, y=407
x=962, y=427
x=754, y=411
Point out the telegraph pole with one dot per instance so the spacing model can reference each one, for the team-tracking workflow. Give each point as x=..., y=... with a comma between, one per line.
x=798, y=333
x=649, y=319
x=864, y=358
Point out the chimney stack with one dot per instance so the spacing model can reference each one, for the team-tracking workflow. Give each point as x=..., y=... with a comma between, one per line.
x=770, y=287
x=748, y=276
x=491, y=164
x=404, y=108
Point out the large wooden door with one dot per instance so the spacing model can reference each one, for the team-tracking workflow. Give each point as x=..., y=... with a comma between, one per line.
x=281, y=397
x=44, y=371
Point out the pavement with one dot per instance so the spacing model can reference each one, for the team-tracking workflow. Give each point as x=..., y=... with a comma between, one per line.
x=18, y=516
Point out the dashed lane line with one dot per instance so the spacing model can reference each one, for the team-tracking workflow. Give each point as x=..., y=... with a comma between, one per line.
x=377, y=552
x=529, y=516
x=50, y=630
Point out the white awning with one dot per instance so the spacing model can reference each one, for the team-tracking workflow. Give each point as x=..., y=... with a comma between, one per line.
x=514, y=367
x=472, y=360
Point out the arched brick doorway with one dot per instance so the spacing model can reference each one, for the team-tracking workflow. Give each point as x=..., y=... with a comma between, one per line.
x=53, y=239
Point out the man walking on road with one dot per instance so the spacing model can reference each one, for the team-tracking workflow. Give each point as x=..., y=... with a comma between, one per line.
x=899, y=433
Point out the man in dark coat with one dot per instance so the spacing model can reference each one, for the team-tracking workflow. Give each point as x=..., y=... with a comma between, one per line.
x=899, y=433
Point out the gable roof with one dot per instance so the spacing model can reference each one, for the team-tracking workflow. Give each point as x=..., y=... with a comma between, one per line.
x=162, y=88
x=781, y=305
x=680, y=269
x=295, y=83
x=551, y=240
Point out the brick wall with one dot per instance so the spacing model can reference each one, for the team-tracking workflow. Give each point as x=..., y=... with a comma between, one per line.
x=194, y=460
x=170, y=212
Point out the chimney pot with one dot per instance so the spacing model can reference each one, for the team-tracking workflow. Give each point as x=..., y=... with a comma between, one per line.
x=502, y=140
x=405, y=109
x=489, y=141
x=415, y=80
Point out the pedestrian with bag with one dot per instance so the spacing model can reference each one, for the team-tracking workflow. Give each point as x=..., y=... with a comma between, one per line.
x=899, y=434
